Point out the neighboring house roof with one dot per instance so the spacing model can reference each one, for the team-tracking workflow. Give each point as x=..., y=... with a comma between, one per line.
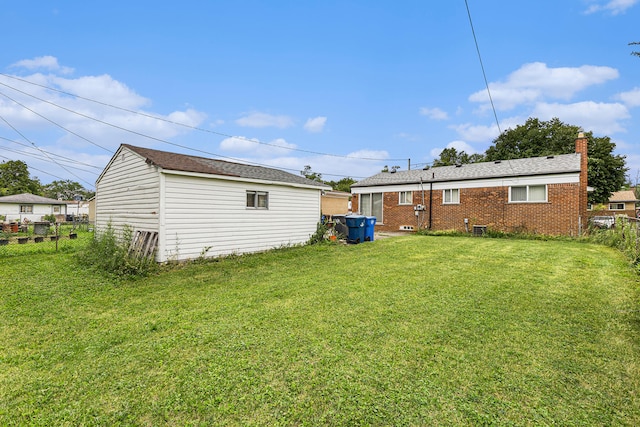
x=187, y=163
x=559, y=164
x=337, y=194
x=32, y=199
x=623, y=196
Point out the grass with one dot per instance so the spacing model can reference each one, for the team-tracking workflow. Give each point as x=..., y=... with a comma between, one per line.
x=411, y=330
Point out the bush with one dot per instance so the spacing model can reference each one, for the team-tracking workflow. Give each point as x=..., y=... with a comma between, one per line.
x=319, y=235
x=109, y=253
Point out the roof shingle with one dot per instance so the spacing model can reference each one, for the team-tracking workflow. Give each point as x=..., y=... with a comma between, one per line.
x=187, y=163
x=564, y=163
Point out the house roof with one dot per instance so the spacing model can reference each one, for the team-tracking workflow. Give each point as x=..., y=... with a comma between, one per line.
x=32, y=199
x=623, y=196
x=186, y=163
x=559, y=164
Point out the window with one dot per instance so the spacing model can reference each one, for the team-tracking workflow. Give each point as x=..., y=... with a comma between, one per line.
x=56, y=209
x=451, y=196
x=405, y=198
x=616, y=206
x=371, y=205
x=589, y=206
x=26, y=208
x=529, y=193
x=258, y=199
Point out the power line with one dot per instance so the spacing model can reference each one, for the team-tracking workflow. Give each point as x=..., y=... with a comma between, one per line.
x=151, y=116
x=38, y=148
x=39, y=157
x=486, y=82
x=51, y=121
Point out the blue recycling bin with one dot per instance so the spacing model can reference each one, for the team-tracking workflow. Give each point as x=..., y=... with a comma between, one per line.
x=369, y=228
x=355, y=224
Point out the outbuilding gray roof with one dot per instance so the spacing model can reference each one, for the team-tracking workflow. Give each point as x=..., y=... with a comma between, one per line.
x=559, y=164
x=30, y=199
x=187, y=163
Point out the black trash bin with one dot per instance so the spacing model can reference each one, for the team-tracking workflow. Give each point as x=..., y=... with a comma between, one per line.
x=340, y=226
x=355, y=223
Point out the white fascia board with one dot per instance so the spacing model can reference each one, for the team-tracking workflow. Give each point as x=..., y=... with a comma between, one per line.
x=239, y=179
x=566, y=178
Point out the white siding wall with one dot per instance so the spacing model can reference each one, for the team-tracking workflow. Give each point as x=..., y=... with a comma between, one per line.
x=128, y=193
x=201, y=213
x=11, y=211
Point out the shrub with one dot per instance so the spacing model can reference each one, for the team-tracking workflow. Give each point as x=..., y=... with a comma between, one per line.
x=111, y=254
x=319, y=235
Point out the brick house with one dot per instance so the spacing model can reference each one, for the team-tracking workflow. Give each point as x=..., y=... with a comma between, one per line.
x=546, y=195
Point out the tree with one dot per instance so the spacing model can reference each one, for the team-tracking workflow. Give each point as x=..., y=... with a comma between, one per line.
x=342, y=185
x=538, y=138
x=451, y=156
x=309, y=174
x=15, y=179
x=66, y=190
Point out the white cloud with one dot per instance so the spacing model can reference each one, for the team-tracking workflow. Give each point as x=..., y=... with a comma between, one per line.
x=631, y=98
x=535, y=82
x=66, y=124
x=43, y=62
x=240, y=145
x=615, y=7
x=476, y=133
x=261, y=120
x=601, y=118
x=315, y=125
x=434, y=113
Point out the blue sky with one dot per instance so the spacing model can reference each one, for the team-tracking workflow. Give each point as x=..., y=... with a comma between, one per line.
x=345, y=87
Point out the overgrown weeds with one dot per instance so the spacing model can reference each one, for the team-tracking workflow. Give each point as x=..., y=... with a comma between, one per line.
x=625, y=236
x=110, y=253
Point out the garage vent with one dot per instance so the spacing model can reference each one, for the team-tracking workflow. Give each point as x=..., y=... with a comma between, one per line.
x=406, y=227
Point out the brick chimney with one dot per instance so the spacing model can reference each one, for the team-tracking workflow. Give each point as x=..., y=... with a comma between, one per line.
x=581, y=148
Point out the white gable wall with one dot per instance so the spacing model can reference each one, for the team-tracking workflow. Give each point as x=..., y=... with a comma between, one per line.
x=204, y=215
x=128, y=192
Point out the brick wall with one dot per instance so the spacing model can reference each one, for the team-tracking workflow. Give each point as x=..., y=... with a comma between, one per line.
x=489, y=207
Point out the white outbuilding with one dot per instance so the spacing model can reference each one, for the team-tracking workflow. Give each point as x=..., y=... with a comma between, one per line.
x=189, y=207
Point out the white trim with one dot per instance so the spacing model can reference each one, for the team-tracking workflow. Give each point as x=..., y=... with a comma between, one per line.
x=546, y=193
x=568, y=178
x=410, y=202
x=444, y=202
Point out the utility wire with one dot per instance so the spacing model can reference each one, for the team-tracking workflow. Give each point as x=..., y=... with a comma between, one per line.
x=39, y=157
x=172, y=143
x=43, y=152
x=52, y=122
x=486, y=82
x=151, y=116
x=67, y=159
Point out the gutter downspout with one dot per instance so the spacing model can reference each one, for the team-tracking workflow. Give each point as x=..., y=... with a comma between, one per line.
x=430, y=203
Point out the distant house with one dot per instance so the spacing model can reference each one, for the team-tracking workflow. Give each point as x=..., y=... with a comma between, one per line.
x=31, y=207
x=620, y=203
x=335, y=203
x=546, y=195
x=195, y=206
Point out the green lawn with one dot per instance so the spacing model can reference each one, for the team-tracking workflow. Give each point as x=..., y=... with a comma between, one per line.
x=411, y=330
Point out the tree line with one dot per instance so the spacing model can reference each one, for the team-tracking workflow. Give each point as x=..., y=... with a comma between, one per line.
x=536, y=138
x=15, y=179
